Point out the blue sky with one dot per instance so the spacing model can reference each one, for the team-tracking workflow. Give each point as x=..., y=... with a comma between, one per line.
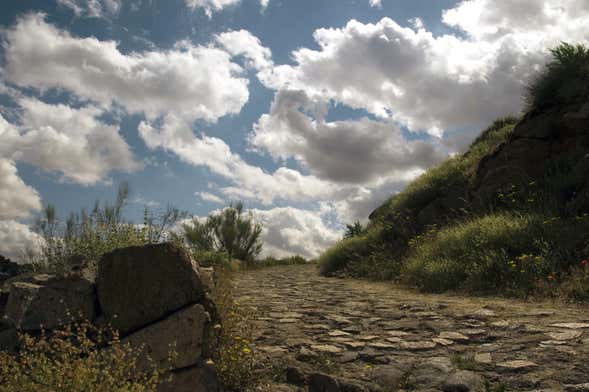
x=312, y=112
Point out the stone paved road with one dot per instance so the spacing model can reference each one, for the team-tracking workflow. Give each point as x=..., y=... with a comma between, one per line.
x=329, y=334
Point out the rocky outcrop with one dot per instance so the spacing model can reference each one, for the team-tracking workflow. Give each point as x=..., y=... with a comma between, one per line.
x=48, y=302
x=140, y=285
x=538, y=141
x=8, y=269
x=155, y=295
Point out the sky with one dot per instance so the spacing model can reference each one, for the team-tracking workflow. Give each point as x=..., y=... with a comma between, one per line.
x=311, y=112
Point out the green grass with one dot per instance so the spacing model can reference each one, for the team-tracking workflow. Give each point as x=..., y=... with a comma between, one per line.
x=453, y=175
x=501, y=252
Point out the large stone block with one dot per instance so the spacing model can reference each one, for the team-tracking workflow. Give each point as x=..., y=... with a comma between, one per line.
x=201, y=378
x=49, y=302
x=184, y=332
x=140, y=285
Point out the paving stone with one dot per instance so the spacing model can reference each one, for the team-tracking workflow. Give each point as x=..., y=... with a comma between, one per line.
x=484, y=358
x=416, y=346
x=566, y=335
x=326, y=348
x=571, y=325
x=456, y=336
x=517, y=364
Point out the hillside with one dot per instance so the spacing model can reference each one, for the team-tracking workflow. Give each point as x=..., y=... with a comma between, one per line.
x=510, y=215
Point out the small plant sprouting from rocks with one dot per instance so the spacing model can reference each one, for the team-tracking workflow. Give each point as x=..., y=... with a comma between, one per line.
x=234, y=355
x=464, y=362
x=79, y=357
x=494, y=387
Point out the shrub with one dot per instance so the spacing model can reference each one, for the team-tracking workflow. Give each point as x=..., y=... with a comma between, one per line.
x=345, y=252
x=90, y=235
x=231, y=231
x=564, y=80
x=354, y=230
x=77, y=358
x=272, y=261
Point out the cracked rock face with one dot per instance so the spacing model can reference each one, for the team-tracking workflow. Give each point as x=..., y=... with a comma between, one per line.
x=538, y=139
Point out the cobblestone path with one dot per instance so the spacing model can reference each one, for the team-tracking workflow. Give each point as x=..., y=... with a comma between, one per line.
x=329, y=334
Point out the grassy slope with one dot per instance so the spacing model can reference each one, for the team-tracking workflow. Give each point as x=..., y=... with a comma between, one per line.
x=518, y=244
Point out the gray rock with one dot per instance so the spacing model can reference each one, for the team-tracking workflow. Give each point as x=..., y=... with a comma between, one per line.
x=295, y=376
x=50, y=302
x=185, y=332
x=463, y=381
x=306, y=355
x=199, y=378
x=9, y=340
x=140, y=285
x=389, y=376
x=577, y=388
x=319, y=382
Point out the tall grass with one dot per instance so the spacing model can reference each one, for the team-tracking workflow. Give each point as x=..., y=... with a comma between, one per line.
x=501, y=252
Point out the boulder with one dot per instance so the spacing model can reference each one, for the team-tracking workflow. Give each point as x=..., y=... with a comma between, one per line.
x=9, y=269
x=536, y=140
x=46, y=301
x=185, y=332
x=463, y=381
x=138, y=286
x=319, y=382
x=195, y=379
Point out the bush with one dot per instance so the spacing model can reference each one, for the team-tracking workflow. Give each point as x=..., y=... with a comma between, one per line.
x=231, y=231
x=345, y=252
x=496, y=253
x=78, y=358
x=91, y=235
x=564, y=80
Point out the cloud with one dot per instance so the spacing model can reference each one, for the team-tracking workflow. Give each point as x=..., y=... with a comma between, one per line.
x=376, y=3
x=356, y=151
x=207, y=196
x=73, y=142
x=16, y=238
x=289, y=231
x=17, y=199
x=429, y=82
x=92, y=8
x=210, y=6
x=244, y=43
x=252, y=182
x=195, y=82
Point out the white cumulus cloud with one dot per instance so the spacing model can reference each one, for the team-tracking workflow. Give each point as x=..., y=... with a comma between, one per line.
x=289, y=231
x=92, y=8
x=244, y=43
x=195, y=82
x=210, y=6
x=16, y=239
x=207, y=196
x=17, y=199
x=356, y=151
x=73, y=142
x=430, y=82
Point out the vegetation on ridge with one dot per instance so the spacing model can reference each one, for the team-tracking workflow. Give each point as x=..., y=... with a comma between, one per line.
x=523, y=240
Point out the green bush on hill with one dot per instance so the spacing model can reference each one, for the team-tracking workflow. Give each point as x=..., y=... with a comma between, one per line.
x=564, y=80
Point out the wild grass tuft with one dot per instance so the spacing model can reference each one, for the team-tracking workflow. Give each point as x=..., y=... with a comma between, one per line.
x=564, y=80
